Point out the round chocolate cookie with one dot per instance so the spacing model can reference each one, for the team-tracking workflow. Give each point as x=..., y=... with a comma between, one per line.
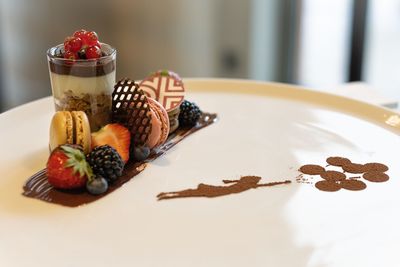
x=354, y=168
x=327, y=186
x=374, y=166
x=312, y=169
x=333, y=176
x=353, y=185
x=337, y=161
x=376, y=176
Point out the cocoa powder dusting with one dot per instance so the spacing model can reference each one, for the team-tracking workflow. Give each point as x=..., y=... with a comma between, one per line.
x=374, y=166
x=354, y=168
x=312, y=169
x=354, y=185
x=335, y=180
x=333, y=176
x=204, y=190
x=375, y=176
x=304, y=180
x=328, y=186
x=337, y=161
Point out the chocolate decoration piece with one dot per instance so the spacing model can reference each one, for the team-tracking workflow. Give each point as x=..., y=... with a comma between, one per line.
x=353, y=185
x=374, y=166
x=235, y=186
x=312, y=169
x=38, y=187
x=327, y=186
x=333, y=176
x=337, y=161
x=376, y=176
x=354, y=168
x=131, y=108
x=166, y=87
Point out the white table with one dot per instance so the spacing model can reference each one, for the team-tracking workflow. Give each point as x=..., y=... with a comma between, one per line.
x=264, y=129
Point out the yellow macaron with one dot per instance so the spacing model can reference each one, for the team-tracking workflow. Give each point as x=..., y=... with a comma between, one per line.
x=70, y=127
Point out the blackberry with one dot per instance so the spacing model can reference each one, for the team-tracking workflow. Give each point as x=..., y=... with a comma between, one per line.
x=190, y=113
x=106, y=162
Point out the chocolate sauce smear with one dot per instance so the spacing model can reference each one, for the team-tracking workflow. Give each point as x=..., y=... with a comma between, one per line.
x=235, y=186
x=38, y=187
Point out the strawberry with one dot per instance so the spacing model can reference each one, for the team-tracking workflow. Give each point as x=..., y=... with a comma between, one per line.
x=115, y=135
x=67, y=168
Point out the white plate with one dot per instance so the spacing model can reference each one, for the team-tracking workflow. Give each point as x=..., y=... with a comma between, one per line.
x=264, y=129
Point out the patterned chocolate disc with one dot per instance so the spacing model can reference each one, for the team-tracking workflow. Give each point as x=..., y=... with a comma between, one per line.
x=166, y=87
x=131, y=109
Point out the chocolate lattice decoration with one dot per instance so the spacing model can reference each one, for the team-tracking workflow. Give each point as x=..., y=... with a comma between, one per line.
x=131, y=109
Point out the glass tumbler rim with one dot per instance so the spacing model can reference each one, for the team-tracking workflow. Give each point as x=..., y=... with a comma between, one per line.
x=110, y=55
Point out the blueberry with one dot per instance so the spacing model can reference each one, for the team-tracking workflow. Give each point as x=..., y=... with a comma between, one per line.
x=141, y=153
x=96, y=186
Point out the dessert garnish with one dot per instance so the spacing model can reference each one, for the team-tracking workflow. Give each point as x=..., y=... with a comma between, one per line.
x=189, y=113
x=159, y=124
x=334, y=180
x=140, y=152
x=353, y=168
x=312, y=169
x=38, y=187
x=130, y=107
x=67, y=168
x=166, y=87
x=235, y=186
x=115, y=135
x=82, y=45
x=337, y=161
x=106, y=162
x=70, y=128
x=97, y=185
x=146, y=118
x=375, y=176
x=375, y=167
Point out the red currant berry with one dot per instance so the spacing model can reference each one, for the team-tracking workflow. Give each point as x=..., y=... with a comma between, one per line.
x=70, y=55
x=91, y=38
x=98, y=44
x=80, y=33
x=76, y=44
x=93, y=52
x=67, y=45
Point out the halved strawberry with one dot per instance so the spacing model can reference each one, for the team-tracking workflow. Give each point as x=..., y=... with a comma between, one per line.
x=115, y=135
x=67, y=168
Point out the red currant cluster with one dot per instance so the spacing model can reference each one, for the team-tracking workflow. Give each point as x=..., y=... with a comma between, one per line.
x=82, y=45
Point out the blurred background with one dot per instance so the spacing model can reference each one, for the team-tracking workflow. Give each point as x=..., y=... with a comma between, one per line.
x=318, y=44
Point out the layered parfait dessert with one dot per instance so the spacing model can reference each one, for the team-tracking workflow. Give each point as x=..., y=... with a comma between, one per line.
x=82, y=75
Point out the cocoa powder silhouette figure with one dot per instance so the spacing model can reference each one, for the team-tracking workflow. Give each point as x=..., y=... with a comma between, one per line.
x=204, y=190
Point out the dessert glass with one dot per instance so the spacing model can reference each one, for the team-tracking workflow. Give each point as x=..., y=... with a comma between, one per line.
x=83, y=84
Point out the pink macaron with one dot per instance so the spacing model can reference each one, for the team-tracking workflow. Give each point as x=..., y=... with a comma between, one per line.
x=159, y=124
